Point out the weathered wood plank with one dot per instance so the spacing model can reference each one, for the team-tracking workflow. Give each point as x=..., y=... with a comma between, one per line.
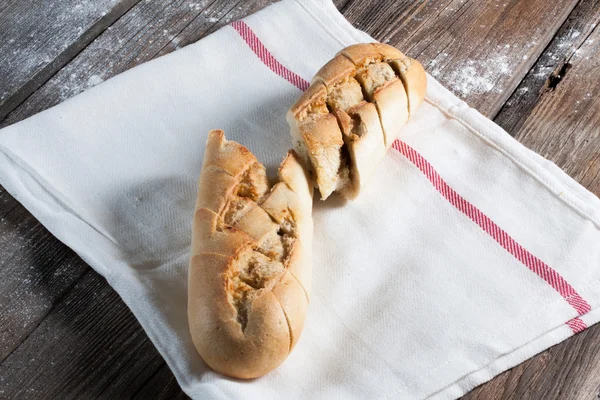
x=89, y=346
x=563, y=125
x=568, y=371
x=479, y=50
x=147, y=31
x=545, y=74
x=162, y=385
x=35, y=269
x=558, y=117
x=39, y=38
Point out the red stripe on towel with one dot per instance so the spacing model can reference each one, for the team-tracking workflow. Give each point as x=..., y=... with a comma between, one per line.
x=536, y=265
x=577, y=325
x=266, y=57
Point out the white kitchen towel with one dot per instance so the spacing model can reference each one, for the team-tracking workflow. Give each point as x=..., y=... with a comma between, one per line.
x=466, y=255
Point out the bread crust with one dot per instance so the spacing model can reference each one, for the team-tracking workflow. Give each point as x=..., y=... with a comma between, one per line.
x=318, y=139
x=392, y=105
x=365, y=142
x=335, y=71
x=250, y=264
x=368, y=72
x=262, y=346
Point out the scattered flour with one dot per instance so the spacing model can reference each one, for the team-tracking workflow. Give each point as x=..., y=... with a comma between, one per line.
x=71, y=19
x=543, y=72
x=94, y=80
x=566, y=40
x=476, y=76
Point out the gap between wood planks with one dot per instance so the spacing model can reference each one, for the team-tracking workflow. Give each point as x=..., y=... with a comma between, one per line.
x=41, y=77
x=99, y=349
x=479, y=50
x=56, y=301
x=419, y=27
x=543, y=114
x=147, y=31
x=545, y=74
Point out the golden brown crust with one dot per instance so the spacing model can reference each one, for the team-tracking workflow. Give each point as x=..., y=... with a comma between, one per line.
x=228, y=156
x=246, y=306
x=212, y=235
x=335, y=71
x=215, y=187
x=229, y=168
x=372, y=72
x=365, y=141
x=414, y=79
x=320, y=141
x=392, y=106
x=299, y=256
x=312, y=101
x=261, y=347
x=293, y=173
x=361, y=54
x=388, y=52
x=294, y=302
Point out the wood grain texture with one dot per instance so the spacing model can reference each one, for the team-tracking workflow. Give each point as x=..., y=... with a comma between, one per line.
x=77, y=338
x=161, y=385
x=39, y=37
x=479, y=50
x=36, y=270
x=548, y=70
x=147, y=31
x=557, y=115
x=564, y=124
x=89, y=345
x=567, y=371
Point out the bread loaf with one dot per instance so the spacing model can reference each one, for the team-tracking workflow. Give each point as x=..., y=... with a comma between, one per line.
x=352, y=112
x=250, y=268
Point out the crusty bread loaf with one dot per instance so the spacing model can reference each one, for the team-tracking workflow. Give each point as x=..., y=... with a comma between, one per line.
x=352, y=112
x=250, y=268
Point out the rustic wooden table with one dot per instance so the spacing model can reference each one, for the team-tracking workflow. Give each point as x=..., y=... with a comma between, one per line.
x=530, y=65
